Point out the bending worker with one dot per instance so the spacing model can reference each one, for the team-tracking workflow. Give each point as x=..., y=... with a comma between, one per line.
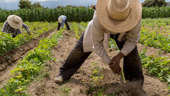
x=120, y=18
x=61, y=21
x=13, y=25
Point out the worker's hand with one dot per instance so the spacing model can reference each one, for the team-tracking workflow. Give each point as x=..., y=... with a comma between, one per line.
x=115, y=63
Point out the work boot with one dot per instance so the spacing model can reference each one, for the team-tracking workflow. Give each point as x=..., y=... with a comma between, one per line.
x=59, y=80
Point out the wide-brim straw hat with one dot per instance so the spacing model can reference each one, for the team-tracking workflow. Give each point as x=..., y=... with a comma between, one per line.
x=15, y=21
x=119, y=16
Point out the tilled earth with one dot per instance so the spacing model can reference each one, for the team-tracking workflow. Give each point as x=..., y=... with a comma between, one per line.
x=93, y=79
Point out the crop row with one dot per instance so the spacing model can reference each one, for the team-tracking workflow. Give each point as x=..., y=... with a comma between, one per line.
x=30, y=67
x=157, y=66
x=8, y=43
x=155, y=39
x=161, y=26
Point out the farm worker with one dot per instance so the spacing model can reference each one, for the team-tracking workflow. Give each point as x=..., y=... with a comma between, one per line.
x=61, y=21
x=120, y=18
x=13, y=25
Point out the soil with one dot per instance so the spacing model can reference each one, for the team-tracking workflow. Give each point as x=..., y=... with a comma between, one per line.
x=9, y=60
x=92, y=78
x=153, y=51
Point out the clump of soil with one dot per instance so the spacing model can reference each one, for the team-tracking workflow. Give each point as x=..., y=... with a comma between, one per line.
x=134, y=89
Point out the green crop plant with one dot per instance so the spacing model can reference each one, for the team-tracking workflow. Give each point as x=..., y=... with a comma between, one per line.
x=154, y=39
x=160, y=26
x=8, y=43
x=157, y=66
x=30, y=67
x=66, y=90
x=78, y=29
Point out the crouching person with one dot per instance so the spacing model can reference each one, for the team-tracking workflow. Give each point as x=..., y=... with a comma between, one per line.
x=13, y=25
x=61, y=21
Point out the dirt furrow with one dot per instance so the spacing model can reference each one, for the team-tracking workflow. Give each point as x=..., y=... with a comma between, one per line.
x=9, y=60
x=92, y=78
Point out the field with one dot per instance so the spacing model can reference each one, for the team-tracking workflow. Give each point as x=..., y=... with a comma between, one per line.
x=29, y=64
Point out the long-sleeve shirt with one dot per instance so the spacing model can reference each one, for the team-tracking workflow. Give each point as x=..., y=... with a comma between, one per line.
x=62, y=19
x=94, y=37
x=8, y=29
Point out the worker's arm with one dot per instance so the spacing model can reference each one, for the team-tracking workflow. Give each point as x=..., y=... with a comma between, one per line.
x=4, y=28
x=131, y=39
x=26, y=28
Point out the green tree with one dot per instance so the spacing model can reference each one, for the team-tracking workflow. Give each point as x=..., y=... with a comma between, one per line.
x=37, y=5
x=154, y=3
x=25, y=4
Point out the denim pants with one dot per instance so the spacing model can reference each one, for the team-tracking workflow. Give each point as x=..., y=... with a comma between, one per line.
x=132, y=63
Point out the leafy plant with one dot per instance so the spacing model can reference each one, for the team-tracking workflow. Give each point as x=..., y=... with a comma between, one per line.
x=30, y=67
x=8, y=43
x=156, y=66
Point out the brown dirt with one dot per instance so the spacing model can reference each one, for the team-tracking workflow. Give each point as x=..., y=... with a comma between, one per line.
x=153, y=51
x=10, y=59
x=85, y=82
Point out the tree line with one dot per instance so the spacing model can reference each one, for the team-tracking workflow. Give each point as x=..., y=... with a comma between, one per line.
x=27, y=4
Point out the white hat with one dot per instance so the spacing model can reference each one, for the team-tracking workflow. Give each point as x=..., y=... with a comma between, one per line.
x=119, y=16
x=15, y=21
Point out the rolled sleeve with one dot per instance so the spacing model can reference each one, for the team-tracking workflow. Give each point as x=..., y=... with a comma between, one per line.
x=26, y=28
x=98, y=38
x=132, y=37
x=4, y=28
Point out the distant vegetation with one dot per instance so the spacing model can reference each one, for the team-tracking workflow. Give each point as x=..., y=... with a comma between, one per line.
x=77, y=14
x=154, y=3
x=26, y=4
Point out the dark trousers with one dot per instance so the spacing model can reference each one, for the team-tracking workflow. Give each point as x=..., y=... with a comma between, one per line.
x=132, y=63
x=14, y=35
x=59, y=25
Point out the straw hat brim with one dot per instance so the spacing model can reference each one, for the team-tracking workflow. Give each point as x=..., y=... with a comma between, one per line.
x=116, y=26
x=12, y=24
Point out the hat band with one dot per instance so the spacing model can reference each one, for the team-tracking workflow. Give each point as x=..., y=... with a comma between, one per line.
x=118, y=15
x=16, y=22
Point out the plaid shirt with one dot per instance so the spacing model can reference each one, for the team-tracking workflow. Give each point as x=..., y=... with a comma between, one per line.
x=8, y=29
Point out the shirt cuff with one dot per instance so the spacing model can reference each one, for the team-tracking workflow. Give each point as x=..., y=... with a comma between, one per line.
x=124, y=52
x=127, y=48
x=106, y=60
